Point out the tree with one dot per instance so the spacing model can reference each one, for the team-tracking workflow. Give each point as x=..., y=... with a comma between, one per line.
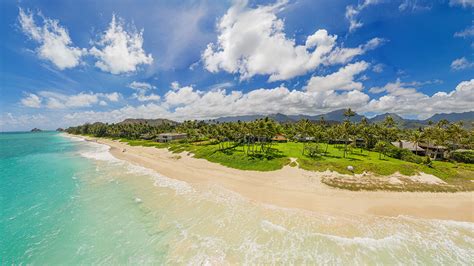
x=416, y=138
x=380, y=147
x=347, y=127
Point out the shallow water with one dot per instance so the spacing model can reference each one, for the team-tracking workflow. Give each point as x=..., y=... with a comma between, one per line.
x=68, y=201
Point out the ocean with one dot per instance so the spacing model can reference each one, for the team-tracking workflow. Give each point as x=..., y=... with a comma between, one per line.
x=67, y=201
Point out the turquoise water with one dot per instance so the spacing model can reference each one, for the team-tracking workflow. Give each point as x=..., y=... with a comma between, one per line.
x=67, y=201
x=53, y=213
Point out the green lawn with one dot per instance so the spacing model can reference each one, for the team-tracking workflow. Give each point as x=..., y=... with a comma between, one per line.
x=361, y=160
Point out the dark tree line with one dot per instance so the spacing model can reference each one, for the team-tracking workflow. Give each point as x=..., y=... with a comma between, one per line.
x=256, y=137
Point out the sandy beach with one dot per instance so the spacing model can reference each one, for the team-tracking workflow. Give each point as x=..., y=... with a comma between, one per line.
x=291, y=187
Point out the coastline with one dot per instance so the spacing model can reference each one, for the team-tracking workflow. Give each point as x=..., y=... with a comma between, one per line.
x=292, y=187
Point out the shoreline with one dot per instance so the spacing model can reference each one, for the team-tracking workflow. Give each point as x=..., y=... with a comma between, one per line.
x=292, y=187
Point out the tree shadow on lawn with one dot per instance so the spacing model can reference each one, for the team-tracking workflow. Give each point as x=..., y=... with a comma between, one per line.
x=271, y=154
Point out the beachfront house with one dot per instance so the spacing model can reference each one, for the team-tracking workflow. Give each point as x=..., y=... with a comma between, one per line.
x=301, y=138
x=422, y=149
x=359, y=142
x=435, y=152
x=279, y=138
x=167, y=137
x=411, y=146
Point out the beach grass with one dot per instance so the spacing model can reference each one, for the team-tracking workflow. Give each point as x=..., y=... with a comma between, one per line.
x=361, y=160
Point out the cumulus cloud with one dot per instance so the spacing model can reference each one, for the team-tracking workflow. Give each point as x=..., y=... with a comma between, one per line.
x=463, y=3
x=31, y=100
x=9, y=121
x=343, y=79
x=405, y=100
x=54, y=100
x=252, y=42
x=343, y=55
x=136, y=85
x=378, y=68
x=141, y=91
x=461, y=63
x=113, y=97
x=398, y=86
x=55, y=44
x=468, y=32
x=413, y=5
x=119, y=51
x=186, y=102
x=352, y=13
x=189, y=103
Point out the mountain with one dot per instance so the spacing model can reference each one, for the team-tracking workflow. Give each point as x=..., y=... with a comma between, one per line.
x=453, y=117
x=151, y=122
x=334, y=116
x=36, y=130
x=281, y=118
x=380, y=118
x=337, y=115
x=400, y=121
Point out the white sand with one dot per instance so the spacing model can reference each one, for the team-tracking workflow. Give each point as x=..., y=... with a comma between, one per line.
x=292, y=187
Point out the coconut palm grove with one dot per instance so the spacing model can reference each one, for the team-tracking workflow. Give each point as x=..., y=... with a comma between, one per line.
x=443, y=149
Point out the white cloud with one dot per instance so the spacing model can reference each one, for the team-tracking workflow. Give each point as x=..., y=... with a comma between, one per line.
x=463, y=3
x=189, y=103
x=343, y=79
x=136, y=85
x=378, y=68
x=413, y=5
x=9, y=121
x=461, y=63
x=120, y=51
x=147, y=97
x=55, y=43
x=352, y=13
x=175, y=85
x=142, y=89
x=468, y=32
x=398, y=87
x=182, y=96
x=408, y=101
x=54, y=100
x=252, y=42
x=113, y=97
x=31, y=100
x=343, y=55
x=395, y=88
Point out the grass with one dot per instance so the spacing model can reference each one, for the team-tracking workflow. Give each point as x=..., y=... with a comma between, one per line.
x=455, y=174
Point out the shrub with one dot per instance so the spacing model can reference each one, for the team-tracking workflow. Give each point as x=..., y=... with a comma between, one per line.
x=402, y=154
x=463, y=157
x=427, y=161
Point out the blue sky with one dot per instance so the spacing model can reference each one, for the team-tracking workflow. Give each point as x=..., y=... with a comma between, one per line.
x=70, y=62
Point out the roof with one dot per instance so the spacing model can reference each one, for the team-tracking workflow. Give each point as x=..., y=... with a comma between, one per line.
x=463, y=150
x=428, y=146
x=407, y=145
x=279, y=137
x=172, y=134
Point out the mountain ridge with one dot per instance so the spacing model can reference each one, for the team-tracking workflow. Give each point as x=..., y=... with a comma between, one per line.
x=338, y=116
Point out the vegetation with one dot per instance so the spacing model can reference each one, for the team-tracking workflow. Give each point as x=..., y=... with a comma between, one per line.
x=316, y=145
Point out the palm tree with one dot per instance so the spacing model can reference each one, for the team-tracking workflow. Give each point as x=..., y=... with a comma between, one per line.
x=346, y=127
x=416, y=137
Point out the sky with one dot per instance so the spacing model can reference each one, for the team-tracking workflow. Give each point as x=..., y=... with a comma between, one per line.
x=65, y=62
